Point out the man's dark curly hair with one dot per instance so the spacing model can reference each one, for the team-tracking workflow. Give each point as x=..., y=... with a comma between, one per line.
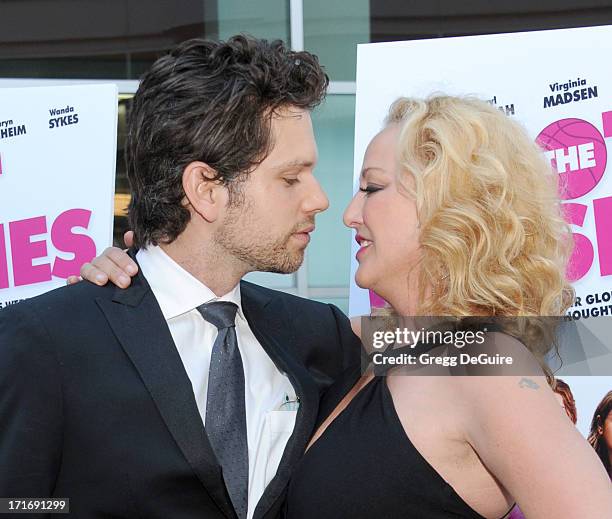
x=213, y=102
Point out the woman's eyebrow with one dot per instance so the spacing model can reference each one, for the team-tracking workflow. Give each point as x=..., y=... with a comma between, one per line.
x=370, y=168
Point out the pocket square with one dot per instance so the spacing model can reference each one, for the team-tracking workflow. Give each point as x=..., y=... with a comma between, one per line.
x=290, y=403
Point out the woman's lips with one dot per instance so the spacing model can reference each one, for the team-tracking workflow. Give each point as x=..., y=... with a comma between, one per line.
x=365, y=244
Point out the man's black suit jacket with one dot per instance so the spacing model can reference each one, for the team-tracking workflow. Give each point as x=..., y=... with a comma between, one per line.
x=96, y=406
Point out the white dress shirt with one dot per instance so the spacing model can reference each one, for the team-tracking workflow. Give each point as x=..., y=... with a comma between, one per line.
x=269, y=422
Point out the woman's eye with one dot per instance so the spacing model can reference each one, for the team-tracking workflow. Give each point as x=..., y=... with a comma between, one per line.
x=368, y=190
x=291, y=181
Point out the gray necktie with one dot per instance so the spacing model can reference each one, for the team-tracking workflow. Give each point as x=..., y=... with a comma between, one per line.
x=225, y=410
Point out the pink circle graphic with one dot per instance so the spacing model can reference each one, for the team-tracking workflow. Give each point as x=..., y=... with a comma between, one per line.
x=583, y=142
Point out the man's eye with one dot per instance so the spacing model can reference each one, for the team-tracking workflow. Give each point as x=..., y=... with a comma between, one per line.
x=291, y=181
x=368, y=190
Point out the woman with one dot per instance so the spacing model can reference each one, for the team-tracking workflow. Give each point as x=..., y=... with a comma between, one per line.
x=457, y=214
x=600, y=436
x=464, y=220
x=564, y=396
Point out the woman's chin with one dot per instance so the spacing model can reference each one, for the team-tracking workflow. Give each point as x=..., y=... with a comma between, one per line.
x=362, y=280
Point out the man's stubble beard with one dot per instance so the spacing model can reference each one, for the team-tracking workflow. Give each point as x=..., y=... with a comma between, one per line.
x=241, y=239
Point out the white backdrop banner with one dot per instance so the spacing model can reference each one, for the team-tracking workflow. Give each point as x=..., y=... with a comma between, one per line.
x=555, y=83
x=57, y=179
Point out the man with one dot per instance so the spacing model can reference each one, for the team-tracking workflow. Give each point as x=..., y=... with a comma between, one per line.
x=176, y=398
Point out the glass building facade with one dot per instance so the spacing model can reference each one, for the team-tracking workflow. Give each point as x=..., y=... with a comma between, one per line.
x=57, y=41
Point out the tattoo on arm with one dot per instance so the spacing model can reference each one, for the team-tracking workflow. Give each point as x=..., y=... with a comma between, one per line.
x=527, y=382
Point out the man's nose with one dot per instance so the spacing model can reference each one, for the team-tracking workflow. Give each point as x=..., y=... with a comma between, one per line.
x=317, y=200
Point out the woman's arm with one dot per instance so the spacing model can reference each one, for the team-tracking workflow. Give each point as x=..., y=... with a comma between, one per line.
x=113, y=264
x=525, y=439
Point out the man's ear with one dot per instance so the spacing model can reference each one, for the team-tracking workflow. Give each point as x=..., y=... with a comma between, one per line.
x=205, y=195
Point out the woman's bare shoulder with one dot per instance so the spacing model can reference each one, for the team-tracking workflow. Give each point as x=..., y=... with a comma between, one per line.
x=356, y=326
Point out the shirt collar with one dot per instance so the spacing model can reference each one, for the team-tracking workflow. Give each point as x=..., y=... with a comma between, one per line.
x=175, y=289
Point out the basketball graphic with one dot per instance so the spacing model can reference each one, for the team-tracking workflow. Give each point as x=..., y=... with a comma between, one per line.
x=583, y=149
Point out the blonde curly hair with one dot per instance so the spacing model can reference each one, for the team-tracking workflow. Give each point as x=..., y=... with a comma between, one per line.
x=493, y=238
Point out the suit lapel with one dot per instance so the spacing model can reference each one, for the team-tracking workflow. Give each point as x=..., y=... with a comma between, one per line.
x=270, y=324
x=137, y=321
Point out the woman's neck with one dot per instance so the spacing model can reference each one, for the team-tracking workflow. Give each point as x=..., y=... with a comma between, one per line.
x=404, y=298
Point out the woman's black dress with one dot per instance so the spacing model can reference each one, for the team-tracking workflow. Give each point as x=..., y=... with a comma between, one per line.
x=365, y=467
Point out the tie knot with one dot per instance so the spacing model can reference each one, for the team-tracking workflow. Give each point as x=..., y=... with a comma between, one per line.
x=221, y=314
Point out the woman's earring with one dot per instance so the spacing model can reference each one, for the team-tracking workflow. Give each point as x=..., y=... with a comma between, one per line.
x=434, y=291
